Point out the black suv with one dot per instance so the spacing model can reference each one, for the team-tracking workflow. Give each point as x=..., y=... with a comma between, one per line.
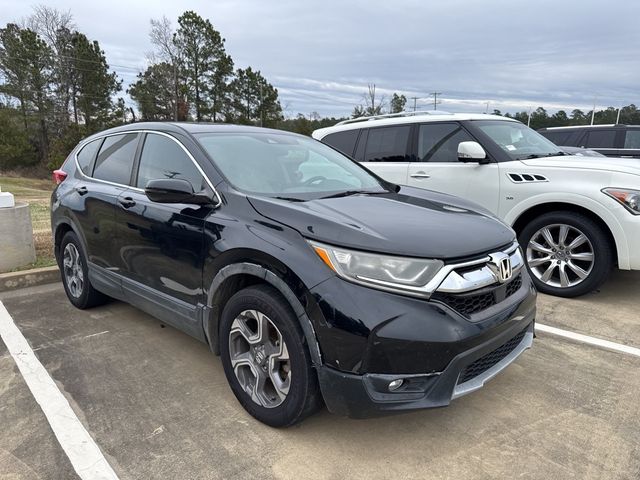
x=313, y=278
x=610, y=140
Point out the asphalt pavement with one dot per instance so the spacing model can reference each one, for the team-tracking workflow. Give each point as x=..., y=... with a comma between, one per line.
x=157, y=404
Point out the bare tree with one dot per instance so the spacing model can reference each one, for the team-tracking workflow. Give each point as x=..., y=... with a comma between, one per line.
x=161, y=36
x=55, y=28
x=47, y=22
x=371, y=106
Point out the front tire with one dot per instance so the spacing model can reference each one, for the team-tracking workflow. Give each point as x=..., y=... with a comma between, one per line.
x=265, y=358
x=75, y=274
x=567, y=253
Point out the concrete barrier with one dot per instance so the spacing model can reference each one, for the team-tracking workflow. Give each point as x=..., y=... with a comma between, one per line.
x=16, y=237
x=28, y=278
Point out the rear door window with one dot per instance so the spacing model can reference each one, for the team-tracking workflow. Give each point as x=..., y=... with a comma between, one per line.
x=632, y=139
x=438, y=142
x=344, y=142
x=601, y=139
x=387, y=144
x=115, y=159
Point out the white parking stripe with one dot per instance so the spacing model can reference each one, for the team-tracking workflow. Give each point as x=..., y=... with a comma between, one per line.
x=598, y=342
x=85, y=456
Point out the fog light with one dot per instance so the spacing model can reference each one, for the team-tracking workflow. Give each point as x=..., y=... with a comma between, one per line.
x=395, y=384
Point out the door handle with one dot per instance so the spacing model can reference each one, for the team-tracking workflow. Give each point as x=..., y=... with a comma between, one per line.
x=420, y=175
x=127, y=202
x=82, y=190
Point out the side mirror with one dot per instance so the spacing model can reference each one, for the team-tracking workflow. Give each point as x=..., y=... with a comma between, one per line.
x=471, y=152
x=173, y=190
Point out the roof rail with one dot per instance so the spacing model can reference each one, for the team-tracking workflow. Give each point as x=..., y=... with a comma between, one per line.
x=589, y=126
x=392, y=115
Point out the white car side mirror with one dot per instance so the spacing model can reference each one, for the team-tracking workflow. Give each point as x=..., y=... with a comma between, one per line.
x=471, y=152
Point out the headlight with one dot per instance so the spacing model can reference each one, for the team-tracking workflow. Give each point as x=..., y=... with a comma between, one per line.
x=630, y=199
x=406, y=275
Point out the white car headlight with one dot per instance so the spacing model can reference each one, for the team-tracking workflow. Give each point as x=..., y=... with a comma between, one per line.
x=630, y=199
x=403, y=274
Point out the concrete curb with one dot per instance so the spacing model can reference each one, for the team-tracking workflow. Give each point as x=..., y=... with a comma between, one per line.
x=28, y=278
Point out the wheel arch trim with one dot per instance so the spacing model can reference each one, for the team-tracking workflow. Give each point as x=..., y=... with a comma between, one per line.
x=211, y=318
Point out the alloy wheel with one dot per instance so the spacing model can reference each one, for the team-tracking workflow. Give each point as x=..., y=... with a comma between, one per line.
x=560, y=255
x=259, y=358
x=72, y=266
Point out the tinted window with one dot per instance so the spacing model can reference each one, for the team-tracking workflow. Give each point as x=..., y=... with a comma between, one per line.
x=163, y=158
x=387, y=144
x=343, y=141
x=115, y=159
x=439, y=142
x=632, y=140
x=87, y=155
x=601, y=139
x=559, y=138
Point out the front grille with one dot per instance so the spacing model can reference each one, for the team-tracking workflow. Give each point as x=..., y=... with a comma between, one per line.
x=470, y=303
x=490, y=359
x=513, y=286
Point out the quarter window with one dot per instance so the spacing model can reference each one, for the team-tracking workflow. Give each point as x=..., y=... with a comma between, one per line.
x=344, y=142
x=387, y=144
x=163, y=158
x=438, y=142
x=115, y=159
x=87, y=155
x=601, y=139
x=632, y=139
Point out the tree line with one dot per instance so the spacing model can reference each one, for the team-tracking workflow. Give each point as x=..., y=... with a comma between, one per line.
x=540, y=118
x=191, y=76
x=56, y=86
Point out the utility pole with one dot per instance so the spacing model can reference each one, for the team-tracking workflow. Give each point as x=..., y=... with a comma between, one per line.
x=593, y=112
x=415, y=100
x=618, y=117
x=435, y=99
x=529, y=119
x=486, y=110
x=261, y=102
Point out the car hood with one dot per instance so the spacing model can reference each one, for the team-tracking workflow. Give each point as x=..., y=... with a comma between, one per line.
x=412, y=222
x=610, y=164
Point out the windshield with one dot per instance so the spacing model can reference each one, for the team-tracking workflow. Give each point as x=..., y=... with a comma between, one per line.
x=282, y=165
x=518, y=140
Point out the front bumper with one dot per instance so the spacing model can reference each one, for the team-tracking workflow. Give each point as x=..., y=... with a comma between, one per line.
x=362, y=396
x=369, y=338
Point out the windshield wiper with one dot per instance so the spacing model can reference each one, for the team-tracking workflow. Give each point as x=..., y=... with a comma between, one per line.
x=536, y=155
x=348, y=193
x=291, y=199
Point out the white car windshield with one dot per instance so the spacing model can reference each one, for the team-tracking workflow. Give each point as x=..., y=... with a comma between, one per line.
x=283, y=165
x=518, y=140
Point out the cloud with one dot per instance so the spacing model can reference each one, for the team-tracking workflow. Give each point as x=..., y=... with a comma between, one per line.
x=513, y=54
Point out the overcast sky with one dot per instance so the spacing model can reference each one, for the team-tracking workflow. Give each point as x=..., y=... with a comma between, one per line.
x=322, y=54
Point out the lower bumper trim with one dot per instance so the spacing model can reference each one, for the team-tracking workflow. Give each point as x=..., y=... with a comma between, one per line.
x=479, y=381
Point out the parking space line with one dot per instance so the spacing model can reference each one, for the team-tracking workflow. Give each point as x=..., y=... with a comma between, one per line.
x=598, y=342
x=83, y=453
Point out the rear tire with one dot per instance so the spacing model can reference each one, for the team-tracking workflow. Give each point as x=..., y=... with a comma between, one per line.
x=567, y=253
x=75, y=274
x=265, y=357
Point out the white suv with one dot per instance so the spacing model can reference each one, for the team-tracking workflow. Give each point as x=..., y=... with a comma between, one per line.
x=575, y=216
